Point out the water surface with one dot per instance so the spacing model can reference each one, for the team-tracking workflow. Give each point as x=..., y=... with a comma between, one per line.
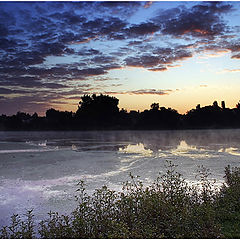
x=40, y=170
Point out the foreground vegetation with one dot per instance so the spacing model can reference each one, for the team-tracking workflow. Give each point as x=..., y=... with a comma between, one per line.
x=168, y=208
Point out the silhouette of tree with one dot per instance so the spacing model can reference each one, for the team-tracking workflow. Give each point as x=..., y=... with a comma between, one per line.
x=158, y=119
x=238, y=105
x=102, y=112
x=98, y=111
x=155, y=106
x=58, y=120
x=215, y=104
x=223, y=105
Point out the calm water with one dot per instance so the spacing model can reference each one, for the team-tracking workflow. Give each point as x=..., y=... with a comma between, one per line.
x=40, y=170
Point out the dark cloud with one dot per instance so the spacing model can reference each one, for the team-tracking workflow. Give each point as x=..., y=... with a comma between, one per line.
x=54, y=49
x=78, y=92
x=30, y=82
x=54, y=85
x=21, y=81
x=110, y=27
x=159, y=58
x=11, y=91
x=3, y=30
x=134, y=43
x=142, y=29
x=158, y=69
x=7, y=18
x=28, y=104
x=234, y=47
x=68, y=17
x=88, y=52
x=236, y=56
x=6, y=44
x=120, y=8
x=142, y=61
x=25, y=58
x=103, y=59
x=202, y=20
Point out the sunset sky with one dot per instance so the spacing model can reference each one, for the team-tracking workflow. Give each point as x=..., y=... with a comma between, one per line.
x=178, y=54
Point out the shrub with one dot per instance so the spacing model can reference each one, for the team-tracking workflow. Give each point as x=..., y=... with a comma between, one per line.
x=168, y=208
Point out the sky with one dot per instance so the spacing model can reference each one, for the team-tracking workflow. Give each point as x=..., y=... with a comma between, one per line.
x=177, y=54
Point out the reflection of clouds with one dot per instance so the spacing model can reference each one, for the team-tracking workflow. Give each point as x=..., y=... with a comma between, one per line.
x=137, y=149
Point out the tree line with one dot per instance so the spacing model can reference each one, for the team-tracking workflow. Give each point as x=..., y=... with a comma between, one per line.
x=101, y=112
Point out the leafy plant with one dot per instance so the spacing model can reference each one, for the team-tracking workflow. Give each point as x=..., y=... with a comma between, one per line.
x=168, y=208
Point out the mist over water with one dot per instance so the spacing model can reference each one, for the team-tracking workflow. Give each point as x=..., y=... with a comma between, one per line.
x=40, y=170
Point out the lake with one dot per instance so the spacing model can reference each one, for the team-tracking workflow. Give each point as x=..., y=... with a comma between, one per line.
x=40, y=170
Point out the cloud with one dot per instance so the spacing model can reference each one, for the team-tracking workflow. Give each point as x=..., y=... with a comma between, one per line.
x=89, y=39
x=30, y=104
x=103, y=59
x=148, y=4
x=54, y=85
x=3, y=31
x=11, y=91
x=151, y=92
x=234, y=47
x=158, y=69
x=120, y=8
x=6, y=44
x=236, y=56
x=133, y=43
x=142, y=29
x=142, y=92
x=110, y=27
x=230, y=70
x=158, y=58
x=145, y=61
x=68, y=17
x=202, y=20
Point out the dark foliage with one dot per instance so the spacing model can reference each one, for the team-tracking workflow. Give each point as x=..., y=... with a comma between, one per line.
x=97, y=111
x=102, y=113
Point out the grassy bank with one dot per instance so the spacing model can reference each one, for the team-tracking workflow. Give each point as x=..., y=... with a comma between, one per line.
x=168, y=208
